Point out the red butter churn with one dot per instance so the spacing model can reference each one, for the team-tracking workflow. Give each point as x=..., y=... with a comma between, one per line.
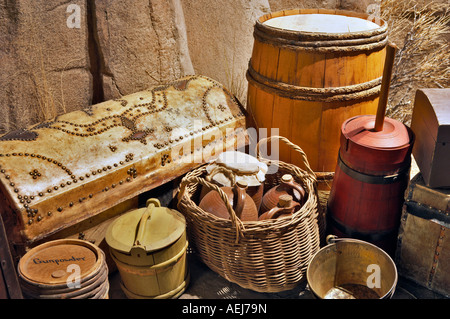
x=372, y=174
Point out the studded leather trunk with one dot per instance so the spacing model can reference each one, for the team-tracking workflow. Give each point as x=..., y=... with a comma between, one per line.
x=60, y=172
x=423, y=250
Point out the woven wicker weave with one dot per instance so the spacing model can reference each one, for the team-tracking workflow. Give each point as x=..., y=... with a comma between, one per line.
x=265, y=256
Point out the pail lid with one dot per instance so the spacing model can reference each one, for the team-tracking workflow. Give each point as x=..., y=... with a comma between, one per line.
x=150, y=228
x=360, y=130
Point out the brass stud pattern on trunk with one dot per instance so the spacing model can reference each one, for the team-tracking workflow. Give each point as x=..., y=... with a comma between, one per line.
x=129, y=118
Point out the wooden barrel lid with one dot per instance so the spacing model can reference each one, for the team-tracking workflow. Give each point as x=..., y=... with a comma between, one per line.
x=360, y=130
x=324, y=23
x=47, y=264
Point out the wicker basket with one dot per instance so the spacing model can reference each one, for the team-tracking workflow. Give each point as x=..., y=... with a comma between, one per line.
x=265, y=256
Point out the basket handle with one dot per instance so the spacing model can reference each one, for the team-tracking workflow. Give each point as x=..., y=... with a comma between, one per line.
x=240, y=195
x=292, y=145
x=235, y=221
x=238, y=189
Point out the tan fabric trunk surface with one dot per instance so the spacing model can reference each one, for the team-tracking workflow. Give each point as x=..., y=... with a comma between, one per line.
x=67, y=169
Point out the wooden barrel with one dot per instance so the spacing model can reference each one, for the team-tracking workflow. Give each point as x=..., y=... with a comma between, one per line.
x=148, y=246
x=371, y=177
x=64, y=269
x=307, y=76
x=165, y=280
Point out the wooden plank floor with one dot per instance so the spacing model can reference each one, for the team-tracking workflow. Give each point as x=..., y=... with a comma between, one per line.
x=206, y=284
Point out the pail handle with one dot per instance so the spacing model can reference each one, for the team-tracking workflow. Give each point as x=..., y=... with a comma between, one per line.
x=151, y=203
x=333, y=239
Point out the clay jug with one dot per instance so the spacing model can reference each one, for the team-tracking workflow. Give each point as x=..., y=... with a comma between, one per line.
x=242, y=204
x=234, y=166
x=287, y=186
x=285, y=207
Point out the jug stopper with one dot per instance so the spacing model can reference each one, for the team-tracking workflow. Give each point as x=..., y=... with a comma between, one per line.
x=285, y=200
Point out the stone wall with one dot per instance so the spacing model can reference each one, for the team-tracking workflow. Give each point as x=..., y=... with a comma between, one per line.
x=63, y=55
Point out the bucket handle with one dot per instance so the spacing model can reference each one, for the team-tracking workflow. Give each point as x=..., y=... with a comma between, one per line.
x=333, y=239
x=151, y=203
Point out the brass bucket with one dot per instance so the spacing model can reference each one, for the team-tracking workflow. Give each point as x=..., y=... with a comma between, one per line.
x=351, y=269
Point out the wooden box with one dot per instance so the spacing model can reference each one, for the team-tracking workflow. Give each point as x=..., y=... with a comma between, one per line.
x=423, y=250
x=61, y=172
x=431, y=124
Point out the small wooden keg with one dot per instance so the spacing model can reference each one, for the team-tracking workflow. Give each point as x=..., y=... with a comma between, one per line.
x=149, y=247
x=310, y=70
x=64, y=269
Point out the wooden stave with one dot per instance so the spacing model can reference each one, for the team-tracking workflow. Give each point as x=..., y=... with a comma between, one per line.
x=360, y=93
x=73, y=293
x=34, y=291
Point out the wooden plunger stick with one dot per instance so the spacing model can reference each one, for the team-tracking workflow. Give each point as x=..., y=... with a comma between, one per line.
x=391, y=49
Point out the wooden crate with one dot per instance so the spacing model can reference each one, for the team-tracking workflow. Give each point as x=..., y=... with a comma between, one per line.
x=431, y=124
x=423, y=246
x=68, y=170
